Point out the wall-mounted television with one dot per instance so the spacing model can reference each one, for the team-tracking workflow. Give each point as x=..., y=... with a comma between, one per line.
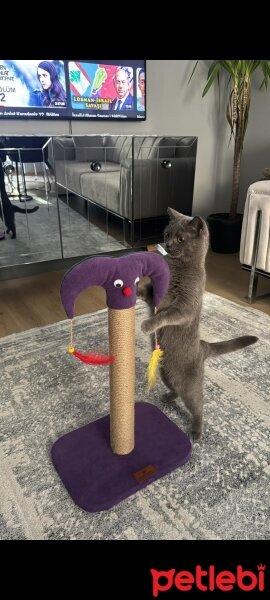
x=73, y=89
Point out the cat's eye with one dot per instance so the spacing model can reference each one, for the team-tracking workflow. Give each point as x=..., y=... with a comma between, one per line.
x=180, y=239
x=118, y=283
x=137, y=280
x=166, y=236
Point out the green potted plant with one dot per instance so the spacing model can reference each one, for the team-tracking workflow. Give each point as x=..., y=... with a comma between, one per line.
x=225, y=228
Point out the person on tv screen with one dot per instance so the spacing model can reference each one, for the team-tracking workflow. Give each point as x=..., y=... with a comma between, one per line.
x=141, y=92
x=122, y=82
x=52, y=92
x=3, y=196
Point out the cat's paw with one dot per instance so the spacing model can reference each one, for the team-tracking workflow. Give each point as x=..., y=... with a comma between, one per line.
x=196, y=435
x=169, y=397
x=141, y=291
x=148, y=326
x=145, y=292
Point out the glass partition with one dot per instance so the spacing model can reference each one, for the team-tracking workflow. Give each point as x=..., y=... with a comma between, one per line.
x=68, y=196
x=163, y=175
x=28, y=204
x=88, y=185
x=124, y=184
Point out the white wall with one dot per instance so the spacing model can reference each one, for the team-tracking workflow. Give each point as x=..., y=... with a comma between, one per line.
x=256, y=152
x=176, y=108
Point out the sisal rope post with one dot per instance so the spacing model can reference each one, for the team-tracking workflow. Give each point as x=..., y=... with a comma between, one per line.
x=122, y=379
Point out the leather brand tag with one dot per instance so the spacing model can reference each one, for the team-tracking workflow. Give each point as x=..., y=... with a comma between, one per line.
x=145, y=473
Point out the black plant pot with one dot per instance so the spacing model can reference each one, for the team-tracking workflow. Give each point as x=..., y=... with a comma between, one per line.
x=225, y=232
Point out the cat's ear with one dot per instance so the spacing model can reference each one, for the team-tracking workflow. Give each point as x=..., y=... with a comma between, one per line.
x=197, y=224
x=173, y=214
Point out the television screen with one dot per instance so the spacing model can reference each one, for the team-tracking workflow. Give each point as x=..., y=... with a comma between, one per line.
x=72, y=89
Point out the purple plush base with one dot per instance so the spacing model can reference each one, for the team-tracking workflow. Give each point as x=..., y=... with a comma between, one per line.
x=97, y=479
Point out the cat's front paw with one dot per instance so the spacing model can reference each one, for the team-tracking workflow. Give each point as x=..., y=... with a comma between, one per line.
x=148, y=326
x=141, y=291
x=145, y=292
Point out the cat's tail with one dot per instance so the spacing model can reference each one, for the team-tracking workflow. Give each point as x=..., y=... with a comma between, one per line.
x=18, y=209
x=217, y=348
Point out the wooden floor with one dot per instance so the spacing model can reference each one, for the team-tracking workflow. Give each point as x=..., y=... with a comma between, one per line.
x=35, y=301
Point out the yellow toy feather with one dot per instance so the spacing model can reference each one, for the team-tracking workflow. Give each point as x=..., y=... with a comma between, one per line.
x=153, y=366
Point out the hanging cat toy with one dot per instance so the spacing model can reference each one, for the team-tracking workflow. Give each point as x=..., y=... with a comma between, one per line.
x=154, y=362
x=119, y=277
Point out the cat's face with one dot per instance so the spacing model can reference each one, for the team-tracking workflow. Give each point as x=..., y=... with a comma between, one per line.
x=185, y=236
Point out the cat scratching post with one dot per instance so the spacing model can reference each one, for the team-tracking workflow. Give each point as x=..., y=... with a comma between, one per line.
x=122, y=379
x=112, y=458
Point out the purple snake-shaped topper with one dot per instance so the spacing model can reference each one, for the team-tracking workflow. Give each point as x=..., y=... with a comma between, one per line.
x=118, y=276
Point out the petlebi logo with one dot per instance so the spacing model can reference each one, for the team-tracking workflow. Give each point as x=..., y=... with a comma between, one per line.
x=208, y=580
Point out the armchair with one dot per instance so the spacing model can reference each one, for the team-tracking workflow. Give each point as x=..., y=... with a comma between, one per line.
x=255, y=236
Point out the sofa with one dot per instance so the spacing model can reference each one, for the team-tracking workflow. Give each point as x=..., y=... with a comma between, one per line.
x=137, y=177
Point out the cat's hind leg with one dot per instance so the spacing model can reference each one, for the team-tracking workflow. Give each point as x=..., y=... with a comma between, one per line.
x=193, y=400
x=171, y=394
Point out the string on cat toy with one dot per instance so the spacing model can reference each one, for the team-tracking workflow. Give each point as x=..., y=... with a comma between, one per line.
x=90, y=358
x=154, y=362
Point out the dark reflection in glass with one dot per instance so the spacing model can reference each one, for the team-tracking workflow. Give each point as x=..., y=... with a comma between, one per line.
x=77, y=195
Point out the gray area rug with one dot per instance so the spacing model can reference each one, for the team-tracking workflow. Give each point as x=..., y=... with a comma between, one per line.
x=221, y=493
x=38, y=237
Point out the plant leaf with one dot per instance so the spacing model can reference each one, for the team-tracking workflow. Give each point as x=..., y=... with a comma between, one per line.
x=211, y=79
x=193, y=71
x=238, y=105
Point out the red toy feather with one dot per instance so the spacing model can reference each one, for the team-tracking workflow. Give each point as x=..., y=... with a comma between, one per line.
x=93, y=359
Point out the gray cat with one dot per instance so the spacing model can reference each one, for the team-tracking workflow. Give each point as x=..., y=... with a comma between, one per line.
x=178, y=317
